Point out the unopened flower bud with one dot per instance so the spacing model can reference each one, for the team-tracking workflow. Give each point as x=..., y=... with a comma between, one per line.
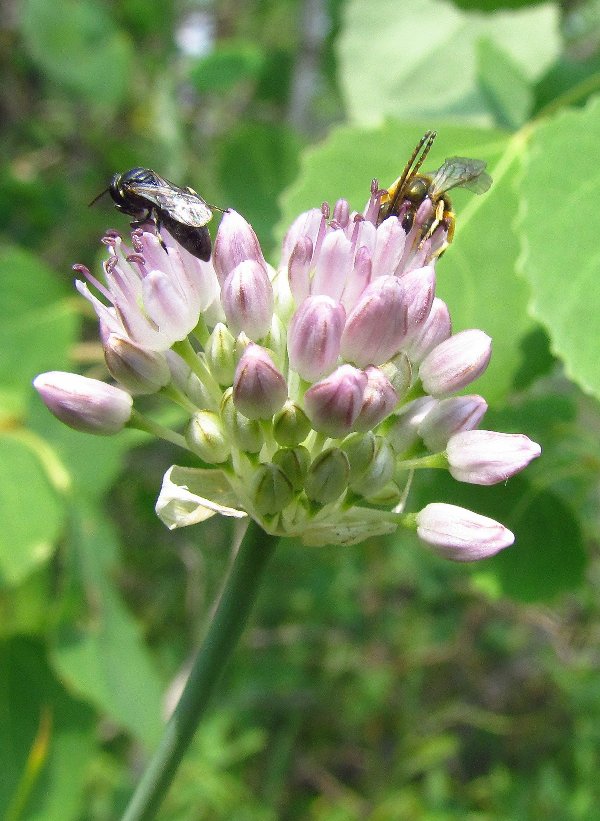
x=419, y=288
x=272, y=490
x=314, y=337
x=259, y=389
x=247, y=299
x=456, y=362
x=484, y=457
x=380, y=470
x=168, y=306
x=377, y=325
x=398, y=371
x=235, y=242
x=220, y=354
x=138, y=370
x=299, y=269
x=290, y=425
x=198, y=393
x=294, y=463
x=360, y=450
x=332, y=265
x=391, y=238
x=327, y=476
x=205, y=435
x=459, y=534
x=403, y=433
x=246, y=434
x=84, y=404
x=379, y=400
x=333, y=404
x=449, y=417
x=436, y=328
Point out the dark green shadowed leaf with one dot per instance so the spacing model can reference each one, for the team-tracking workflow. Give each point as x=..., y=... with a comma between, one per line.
x=559, y=234
x=46, y=741
x=38, y=325
x=508, y=93
x=102, y=655
x=476, y=276
x=77, y=44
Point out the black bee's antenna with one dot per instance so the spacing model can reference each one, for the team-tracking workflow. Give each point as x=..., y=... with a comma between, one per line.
x=101, y=194
x=412, y=166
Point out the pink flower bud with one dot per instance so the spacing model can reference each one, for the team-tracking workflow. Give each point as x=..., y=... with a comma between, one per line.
x=259, y=389
x=299, y=269
x=84, y=404
x=436, y=328
x=235, y=242
x=459, y=534
x=379, y=400
x=332, y=265
x=419, y=288
x=167, y=305
x=333, y=404
x=137, y=369
x=378, y=324
x=308, y=224
x=456, y=362
x=341, y=213
x=451, y=416
x=247, y=299
x=314, y=337
x=484, y=457
x=391, y=238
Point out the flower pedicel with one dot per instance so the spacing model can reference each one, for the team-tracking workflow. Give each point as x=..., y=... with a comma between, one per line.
x=314, y=390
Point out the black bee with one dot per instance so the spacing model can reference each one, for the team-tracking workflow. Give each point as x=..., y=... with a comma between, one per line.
x=145, y=195
x=405, y=195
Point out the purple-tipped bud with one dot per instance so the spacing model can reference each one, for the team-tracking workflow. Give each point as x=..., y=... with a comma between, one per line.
x=220, y=354
x=294, y=463
x=456, y=362
x=391, y=238
x=206, y=437
x=419, y=288
x=84, y=404
x=272, y=490
x=379, y=400
x=290, y=425
x=137, y=369
x=327, y=477
x=484, y=457
x=451, y=416
x=314, y=337
x=308, y=224
x=341, y=213
x=247, y=299
x=403, y=433
x=459, y=534
x=246, y=434
x=332, y=265
x=235, y=242
x=436, y=328
x=259, y=389
x=377, y=326
x=333, y=404
x=299, y=269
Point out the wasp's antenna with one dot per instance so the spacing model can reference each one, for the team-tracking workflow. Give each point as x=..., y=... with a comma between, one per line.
x=422, y=149
x=101, y=194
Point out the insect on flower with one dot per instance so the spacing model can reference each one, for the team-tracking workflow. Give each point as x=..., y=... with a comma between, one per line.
x=145, y=195
x=404, y=197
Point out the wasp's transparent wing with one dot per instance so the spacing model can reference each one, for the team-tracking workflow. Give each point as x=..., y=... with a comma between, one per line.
x=460, y=172
x=181, y=204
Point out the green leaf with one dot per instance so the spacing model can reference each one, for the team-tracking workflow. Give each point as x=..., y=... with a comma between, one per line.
x=419, y=59
x=230, y=63
x=30, y=510
x=37, y=326
x=76, y=43
x=257, y=161
x=508, y=93
x=559, y=236
x=46, y=741
x=476, y=276
x=103, y=658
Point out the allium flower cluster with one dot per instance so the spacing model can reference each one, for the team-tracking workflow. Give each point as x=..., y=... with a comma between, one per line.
x=313, y=391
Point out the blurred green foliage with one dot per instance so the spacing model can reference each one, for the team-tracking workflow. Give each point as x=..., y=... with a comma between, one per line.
x=376, y=682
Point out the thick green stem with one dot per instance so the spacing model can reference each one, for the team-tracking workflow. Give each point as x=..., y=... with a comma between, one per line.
x=228, y=622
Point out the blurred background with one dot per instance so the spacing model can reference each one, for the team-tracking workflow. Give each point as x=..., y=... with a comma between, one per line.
x=375, y=682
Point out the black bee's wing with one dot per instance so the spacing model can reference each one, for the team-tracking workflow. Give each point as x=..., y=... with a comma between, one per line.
x=460, y=172
x=181, y=204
